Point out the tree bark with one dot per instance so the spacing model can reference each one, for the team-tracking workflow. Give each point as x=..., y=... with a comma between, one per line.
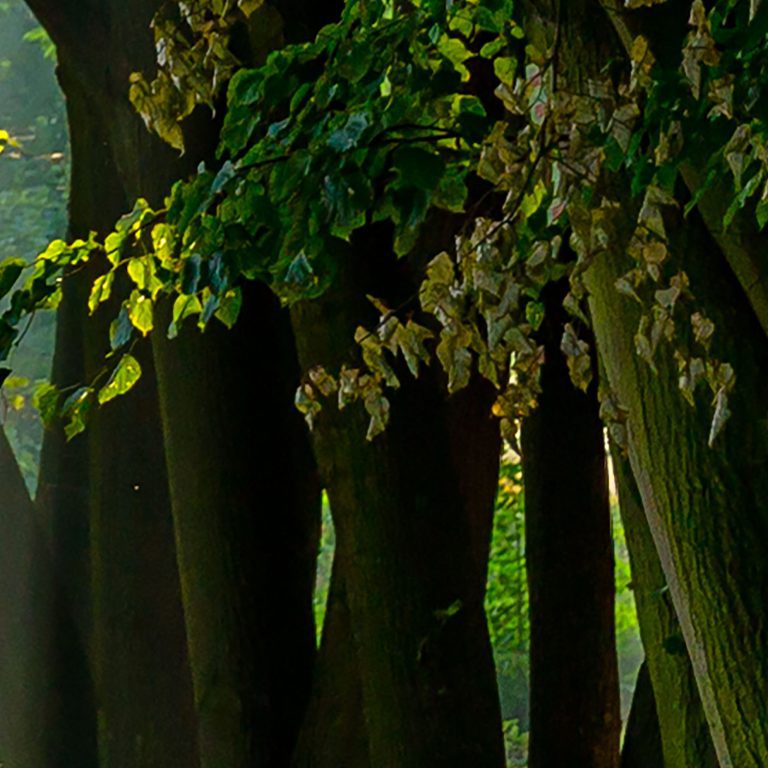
x=681, y=723
x=119, y=519
x=575, y=705
x=706, y=507
x=413, y=511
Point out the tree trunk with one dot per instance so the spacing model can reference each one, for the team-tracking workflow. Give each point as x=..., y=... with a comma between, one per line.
x=681, y=723
x=575, y=705
x=135, y=639
x=246, y=504
x=413, y=511
x=642, y=739
x=707, y=507
x=247, y=510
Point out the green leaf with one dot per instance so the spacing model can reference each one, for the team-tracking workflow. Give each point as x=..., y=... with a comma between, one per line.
x=120, y=329
x=183, y=307
x=229, y=307
x=140, y=312
x=761, y=213
x=46, y=399
x=505, y=68
x=101, y=291
x=346, y=138
x=125, y=375
x=190, y=274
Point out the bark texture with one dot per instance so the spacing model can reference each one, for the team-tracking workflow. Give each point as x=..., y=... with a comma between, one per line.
x=706, y=507
x=681, y=723
x=574, y=703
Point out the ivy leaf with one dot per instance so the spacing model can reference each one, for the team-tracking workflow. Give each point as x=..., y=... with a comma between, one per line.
x=377, y=407
x=183, y=307
x=125, y=375
x=229, y=307
x=45, y=399
x=721, y=415
x=190, y=274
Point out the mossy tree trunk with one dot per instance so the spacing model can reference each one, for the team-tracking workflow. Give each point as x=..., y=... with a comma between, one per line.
x=706, y=507
x=575, y=706
x=680, y=722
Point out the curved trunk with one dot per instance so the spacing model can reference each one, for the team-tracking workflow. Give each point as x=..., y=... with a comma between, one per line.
x=575, y=706
x=707, y=507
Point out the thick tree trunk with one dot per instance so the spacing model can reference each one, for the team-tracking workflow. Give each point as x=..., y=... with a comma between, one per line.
x=680, y=722
x=412, y=510
x=575, y=706
x=247, y=509
x=246, y=504
x=642, y=738
x=707, y=507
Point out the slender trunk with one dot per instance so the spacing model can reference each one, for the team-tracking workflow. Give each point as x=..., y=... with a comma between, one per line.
x=575, y=705
x=681, y=723
x=413, y=511
x=642, y=739
x=707, y=507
